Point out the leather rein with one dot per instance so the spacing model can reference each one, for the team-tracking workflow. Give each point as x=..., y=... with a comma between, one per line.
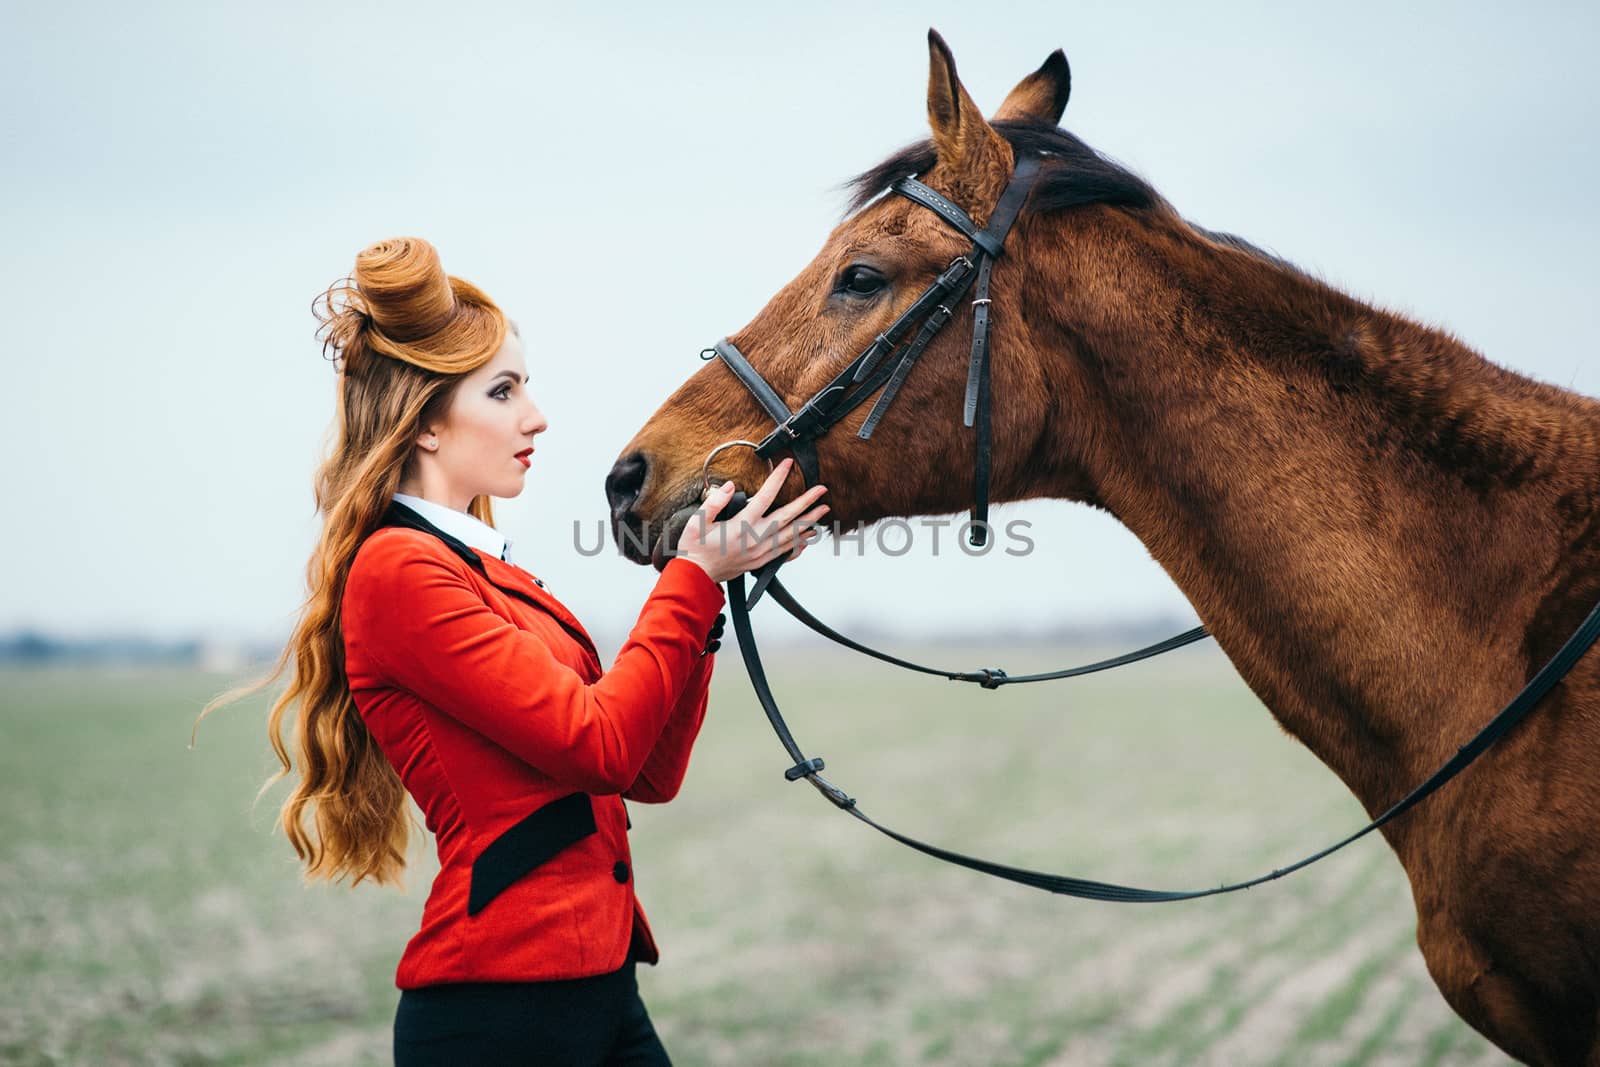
x=797, y=432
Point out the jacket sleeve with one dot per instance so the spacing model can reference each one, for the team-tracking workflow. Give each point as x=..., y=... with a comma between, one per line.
x=662, y=774
x=427, y=629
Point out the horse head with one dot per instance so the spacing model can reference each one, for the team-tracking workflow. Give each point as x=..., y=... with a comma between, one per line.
x=870, y=270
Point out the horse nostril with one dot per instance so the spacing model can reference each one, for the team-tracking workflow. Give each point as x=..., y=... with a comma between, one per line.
x=624, y=482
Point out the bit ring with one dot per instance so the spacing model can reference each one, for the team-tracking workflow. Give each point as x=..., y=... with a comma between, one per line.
x=705, y=468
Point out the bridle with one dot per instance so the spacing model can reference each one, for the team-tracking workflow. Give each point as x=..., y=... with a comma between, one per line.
x=870, y=371
x=798, y=431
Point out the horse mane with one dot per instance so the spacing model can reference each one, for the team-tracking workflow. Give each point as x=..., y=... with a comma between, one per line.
x=1077, y=176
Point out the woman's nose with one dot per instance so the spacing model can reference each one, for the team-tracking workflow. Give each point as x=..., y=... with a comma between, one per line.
x=624, y=482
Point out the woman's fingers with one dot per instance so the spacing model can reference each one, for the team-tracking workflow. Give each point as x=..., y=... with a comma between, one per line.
x=767, y=526
x=789, y=540
x=698, y=528
x=759, y=537
x=779, y=537
x=715, y=500
x=804, y=524
x=808, y=537
x=799, y=504
x=762, y=498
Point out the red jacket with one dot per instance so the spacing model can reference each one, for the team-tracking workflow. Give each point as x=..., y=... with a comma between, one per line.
x=487, y=697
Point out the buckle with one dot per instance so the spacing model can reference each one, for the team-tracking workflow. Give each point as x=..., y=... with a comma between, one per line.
x=800, y=770
x=987, y=677
x=808, y=770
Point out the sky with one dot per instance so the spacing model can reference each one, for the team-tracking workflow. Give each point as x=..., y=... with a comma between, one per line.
x=631, y=182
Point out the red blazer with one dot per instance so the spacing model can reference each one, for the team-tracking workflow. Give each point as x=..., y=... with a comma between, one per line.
x=488, y=698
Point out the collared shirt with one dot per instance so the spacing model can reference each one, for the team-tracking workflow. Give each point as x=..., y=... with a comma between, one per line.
x=458, y=524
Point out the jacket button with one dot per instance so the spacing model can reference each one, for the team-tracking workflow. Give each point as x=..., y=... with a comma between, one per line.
x=620, y=872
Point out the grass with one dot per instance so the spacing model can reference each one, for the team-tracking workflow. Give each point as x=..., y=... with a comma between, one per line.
x=150, y=915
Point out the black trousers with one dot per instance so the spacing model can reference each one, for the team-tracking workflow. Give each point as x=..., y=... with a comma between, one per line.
x=577, y=1022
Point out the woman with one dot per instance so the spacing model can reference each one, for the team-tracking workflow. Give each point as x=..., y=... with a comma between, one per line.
x=427, y=662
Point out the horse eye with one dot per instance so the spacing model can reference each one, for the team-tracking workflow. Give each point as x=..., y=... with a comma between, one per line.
x=861, y=281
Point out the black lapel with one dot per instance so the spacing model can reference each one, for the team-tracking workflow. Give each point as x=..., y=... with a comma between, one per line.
x=401, y=515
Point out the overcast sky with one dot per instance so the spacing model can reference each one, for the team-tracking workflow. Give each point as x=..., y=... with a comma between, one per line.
x=631, y=182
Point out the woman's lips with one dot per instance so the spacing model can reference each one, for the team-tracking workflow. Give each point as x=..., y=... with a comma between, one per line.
x=522, y=457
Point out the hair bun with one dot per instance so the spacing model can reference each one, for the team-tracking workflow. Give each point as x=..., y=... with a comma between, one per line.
x=405, y=288
x=401, y=304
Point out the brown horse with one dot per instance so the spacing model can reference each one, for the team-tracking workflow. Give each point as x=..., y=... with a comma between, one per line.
x=1386, y=533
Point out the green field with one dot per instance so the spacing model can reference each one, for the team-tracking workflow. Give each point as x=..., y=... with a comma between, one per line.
x=150, y=915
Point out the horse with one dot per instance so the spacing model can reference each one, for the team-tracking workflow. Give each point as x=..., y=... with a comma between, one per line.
x=1386, y=533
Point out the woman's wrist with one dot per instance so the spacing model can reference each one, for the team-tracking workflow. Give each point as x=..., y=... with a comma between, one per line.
x=697, y=574
x=704, y=567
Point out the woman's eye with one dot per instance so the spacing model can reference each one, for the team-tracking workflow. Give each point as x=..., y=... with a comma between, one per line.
x=861, y=281
x=501, y=393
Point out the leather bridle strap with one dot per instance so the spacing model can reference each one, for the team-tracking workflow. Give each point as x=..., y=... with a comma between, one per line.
x=988, y=242
x=987, y=677
x=805, y=453
x=977, y=408
x=930, y=327
x=798, y=431
x=837, y=399
x=810, y=768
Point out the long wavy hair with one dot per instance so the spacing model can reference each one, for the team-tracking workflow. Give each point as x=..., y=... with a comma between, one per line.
x=400, y=334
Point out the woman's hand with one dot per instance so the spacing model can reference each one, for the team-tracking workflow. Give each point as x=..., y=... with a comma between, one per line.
x=751, y=537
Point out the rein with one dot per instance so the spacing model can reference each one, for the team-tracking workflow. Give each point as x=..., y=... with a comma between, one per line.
x=797, y=431
x=810, y=768
x=987, y=677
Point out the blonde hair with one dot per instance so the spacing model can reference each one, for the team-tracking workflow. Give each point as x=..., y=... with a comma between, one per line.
x=402, y=334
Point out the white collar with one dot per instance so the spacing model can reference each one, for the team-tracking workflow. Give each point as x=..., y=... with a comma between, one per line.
x=460, y=525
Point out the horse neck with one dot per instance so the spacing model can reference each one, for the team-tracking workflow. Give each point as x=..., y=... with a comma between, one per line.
x=1367, y=515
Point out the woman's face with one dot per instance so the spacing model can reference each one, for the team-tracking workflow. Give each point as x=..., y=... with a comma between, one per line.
x=485, y=443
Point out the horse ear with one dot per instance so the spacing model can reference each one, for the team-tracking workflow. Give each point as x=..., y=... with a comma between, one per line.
x=1041, y=97
x=975, y=160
